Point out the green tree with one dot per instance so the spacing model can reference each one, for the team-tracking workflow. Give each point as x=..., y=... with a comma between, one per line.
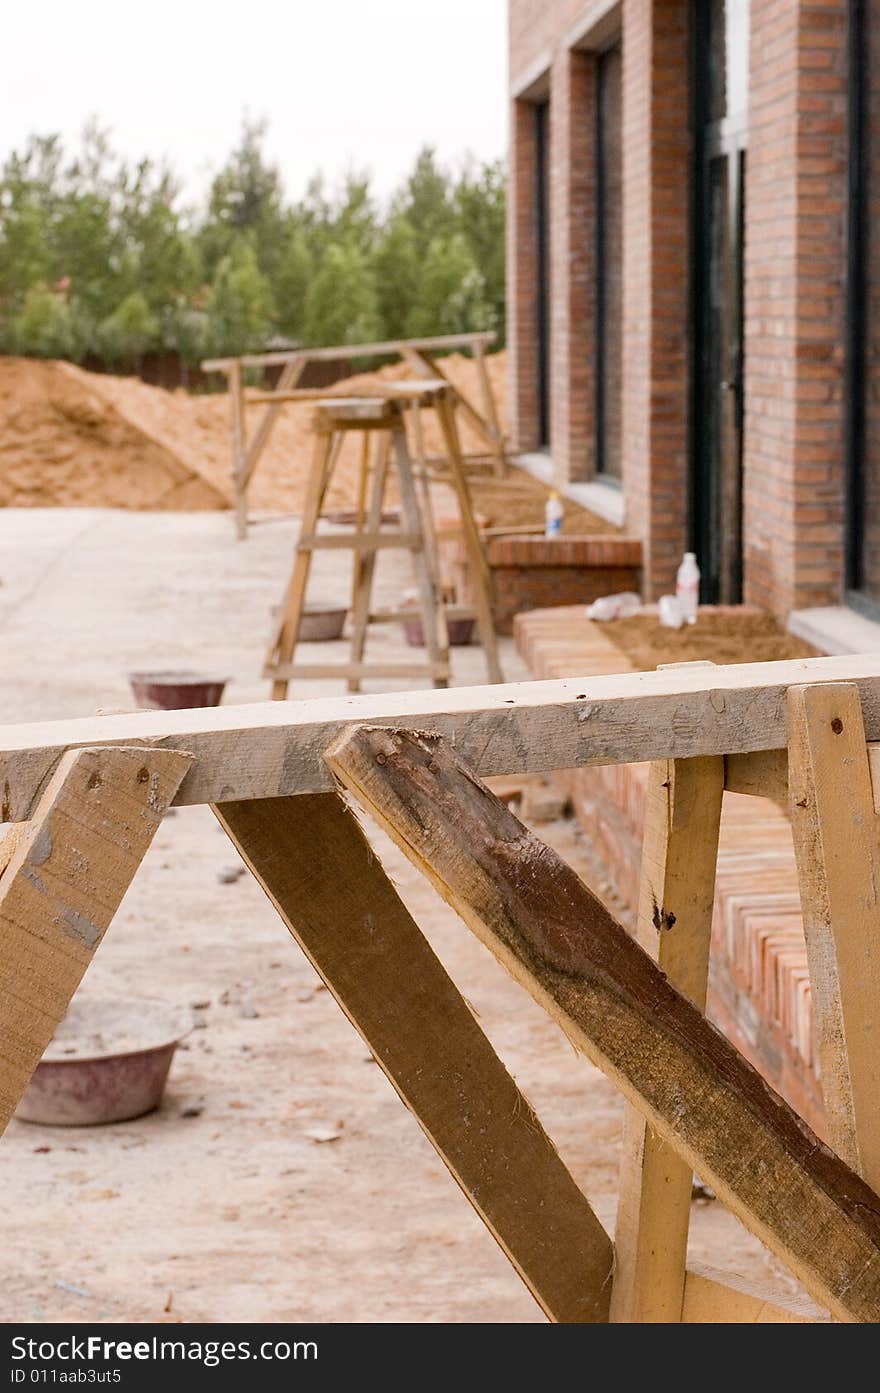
x=341, y=304
x=240, y=308
x=452, y=295
x=44, y=326
x=397, y=276
x=292, y=281
x=426, y=200
x=246, y=198
x=129, y=332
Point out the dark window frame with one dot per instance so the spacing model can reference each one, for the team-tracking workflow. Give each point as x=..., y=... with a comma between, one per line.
x=542, y=266
x=600, y=277
x=857, y=234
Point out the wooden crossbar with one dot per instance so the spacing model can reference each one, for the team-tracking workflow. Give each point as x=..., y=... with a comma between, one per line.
x=267, y=749
x=342, y=352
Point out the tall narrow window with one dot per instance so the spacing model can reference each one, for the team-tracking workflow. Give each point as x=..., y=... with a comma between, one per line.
x=721, y=85
x=609, y=261
x=863, y=308
x=542, y=268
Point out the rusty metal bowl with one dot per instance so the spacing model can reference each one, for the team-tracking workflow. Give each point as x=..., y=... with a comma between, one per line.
x=174, y=691
x=321, y=623
x=108, y=1062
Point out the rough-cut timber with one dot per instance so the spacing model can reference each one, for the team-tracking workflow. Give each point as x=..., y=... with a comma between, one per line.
x=674, y=927
x=837, y=843
x=66, y=877
x=613, y=1002
x=319, y=870
x=267, y=750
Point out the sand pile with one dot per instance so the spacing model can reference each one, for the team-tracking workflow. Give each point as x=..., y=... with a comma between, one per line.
x=74, y=438
x=63, y=442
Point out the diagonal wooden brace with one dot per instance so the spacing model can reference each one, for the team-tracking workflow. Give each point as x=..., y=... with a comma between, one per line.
x=316, y=865
x=69, y=869
x=616, y=1005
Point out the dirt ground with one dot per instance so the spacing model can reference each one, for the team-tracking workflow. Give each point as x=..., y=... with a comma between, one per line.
x=223, y=1205
x=721, y=636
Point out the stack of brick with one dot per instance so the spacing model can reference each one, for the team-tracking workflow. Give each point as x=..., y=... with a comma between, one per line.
x=759, y=991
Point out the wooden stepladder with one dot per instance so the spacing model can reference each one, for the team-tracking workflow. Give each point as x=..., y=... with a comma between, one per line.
x=381, y=422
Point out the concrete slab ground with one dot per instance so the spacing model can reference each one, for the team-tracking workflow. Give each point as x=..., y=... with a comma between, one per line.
x=223, y=1206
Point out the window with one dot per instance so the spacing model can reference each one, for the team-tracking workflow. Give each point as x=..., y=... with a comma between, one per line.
x=609, y=261
x=863, y=309
x=542, y=268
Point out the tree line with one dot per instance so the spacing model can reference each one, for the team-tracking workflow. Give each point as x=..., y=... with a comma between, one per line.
x=103, y=259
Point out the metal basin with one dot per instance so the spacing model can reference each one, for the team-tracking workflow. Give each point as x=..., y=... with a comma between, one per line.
x=108, y=1062
x=174, y=691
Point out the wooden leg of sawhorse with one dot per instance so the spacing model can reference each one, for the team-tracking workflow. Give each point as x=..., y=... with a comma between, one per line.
x=676, y=895
x=68, y=871
x=482, y=576
x=282, y=646
x=837, y=844
x=427, y=579
x=365, y=560
x=329, y=887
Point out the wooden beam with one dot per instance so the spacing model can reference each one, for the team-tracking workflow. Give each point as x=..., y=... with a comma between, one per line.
x=765, y=775
x=342, y=352
x=319, y=870
x=291, y=374
x=514, y=728
x=614, y=1003
x=837, y=844
x=676, y=897
x=717, y=1298
x=64, y=882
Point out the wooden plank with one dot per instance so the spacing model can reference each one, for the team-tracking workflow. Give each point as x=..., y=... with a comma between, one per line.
x=764, y=774
x=490, y=411
x=365, y=562
x=423, y=391
x=717, y=1298
x=519, y=728
x=674, y=926
x=837, y=845
x=318, y=868
x=64, y=882
x=284, y=641
x=287, y=671
x=236, y=403
x=427, y=578
x=355, y=350
x=292, y=372
x=614, y=1003
x=361, y=541
x=481, y=576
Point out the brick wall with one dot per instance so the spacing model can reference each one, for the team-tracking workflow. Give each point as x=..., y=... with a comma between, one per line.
x=795, y=192
x=553, y=52
x=794, y=305
x=656, y=167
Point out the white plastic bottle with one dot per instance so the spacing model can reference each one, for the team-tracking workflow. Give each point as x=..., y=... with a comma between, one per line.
x=553, y=511
x=687, y=587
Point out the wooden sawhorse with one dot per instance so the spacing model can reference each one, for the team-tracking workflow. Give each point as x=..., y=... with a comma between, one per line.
x=91, y=794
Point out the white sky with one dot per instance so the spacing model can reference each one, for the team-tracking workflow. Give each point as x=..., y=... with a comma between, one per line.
x=341, y=82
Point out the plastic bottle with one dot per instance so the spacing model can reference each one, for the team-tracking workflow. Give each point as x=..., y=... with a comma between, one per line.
x=553, y=511
x=687, y=587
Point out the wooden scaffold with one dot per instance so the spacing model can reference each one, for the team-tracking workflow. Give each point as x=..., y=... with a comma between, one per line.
x=420, y=354
x=89, y=795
